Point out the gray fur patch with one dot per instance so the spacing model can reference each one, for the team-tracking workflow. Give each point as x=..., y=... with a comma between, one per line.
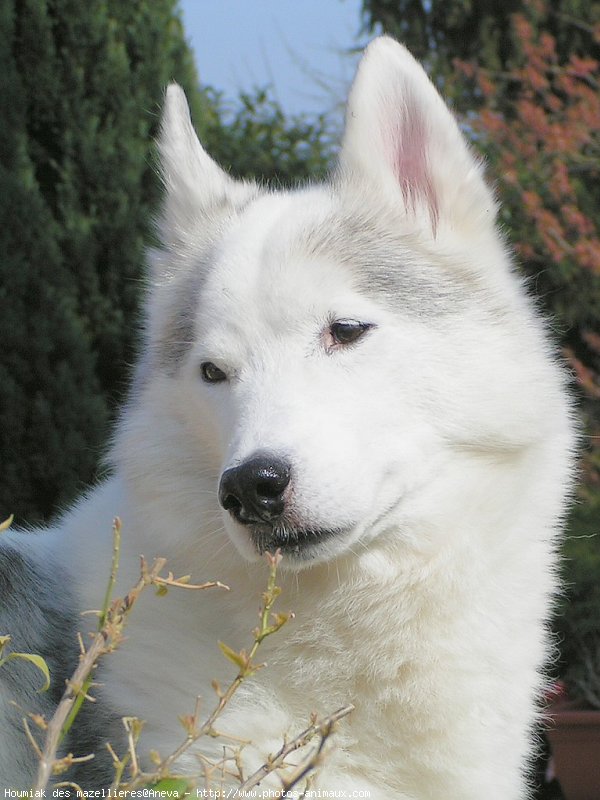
x=387, y=266
x=181, y=292
x=38, y=612
x=178, y=328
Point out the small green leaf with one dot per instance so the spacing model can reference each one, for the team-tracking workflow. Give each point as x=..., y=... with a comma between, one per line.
x=239, y=659
x=279, y=620
x=6, y=524
x=174, y=787
x=161, y=590
x=37, y=661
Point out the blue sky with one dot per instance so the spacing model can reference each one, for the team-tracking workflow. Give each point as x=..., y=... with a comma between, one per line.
x=295, y=46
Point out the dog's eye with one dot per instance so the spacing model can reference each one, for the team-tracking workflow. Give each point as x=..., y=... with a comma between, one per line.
x=211, y=373
x=347, y=331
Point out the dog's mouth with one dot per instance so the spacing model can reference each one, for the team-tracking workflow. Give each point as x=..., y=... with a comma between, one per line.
x=299, y=543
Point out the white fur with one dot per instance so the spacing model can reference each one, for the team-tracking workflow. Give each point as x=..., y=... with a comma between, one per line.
x=440, y=443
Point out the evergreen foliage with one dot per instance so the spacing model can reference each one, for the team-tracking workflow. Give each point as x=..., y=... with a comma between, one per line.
x=256, y=140
x=82, y=85
x=578, y=620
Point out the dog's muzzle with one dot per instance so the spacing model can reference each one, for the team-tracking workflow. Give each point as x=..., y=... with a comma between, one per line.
x=257, y=494
x=254, y=492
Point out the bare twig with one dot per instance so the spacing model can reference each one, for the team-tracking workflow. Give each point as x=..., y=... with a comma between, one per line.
x=87, y=685
x=112, y=619
x=114, y=568
x=269, y=623
x=306, y=767
x=48, y=758
x=31, y=738
x=322, y=728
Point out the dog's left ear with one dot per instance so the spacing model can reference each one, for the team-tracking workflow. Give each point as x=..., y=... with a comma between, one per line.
x=401, y=138
x=196, y=188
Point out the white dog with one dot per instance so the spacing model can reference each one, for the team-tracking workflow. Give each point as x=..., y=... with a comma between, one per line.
x=352, y=373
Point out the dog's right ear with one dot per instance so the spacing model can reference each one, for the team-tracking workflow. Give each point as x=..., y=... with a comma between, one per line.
x=401, y=137
x=195, y=186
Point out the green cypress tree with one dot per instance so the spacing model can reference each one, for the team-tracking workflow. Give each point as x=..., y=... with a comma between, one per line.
x=81, y=85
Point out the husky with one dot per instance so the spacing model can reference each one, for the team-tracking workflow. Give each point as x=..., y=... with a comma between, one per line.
x=351, y=373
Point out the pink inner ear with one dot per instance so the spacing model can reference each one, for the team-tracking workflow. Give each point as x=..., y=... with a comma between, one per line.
x=406, y=145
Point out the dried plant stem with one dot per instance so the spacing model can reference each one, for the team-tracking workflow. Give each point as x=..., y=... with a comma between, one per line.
x=269, y=624
x=306, y=767
x=322, y=728
x=114, y=568
x=87, y=684
x=112, y=619
x=55, y=726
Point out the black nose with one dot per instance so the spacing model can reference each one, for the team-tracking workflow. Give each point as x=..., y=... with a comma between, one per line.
x=253, y=492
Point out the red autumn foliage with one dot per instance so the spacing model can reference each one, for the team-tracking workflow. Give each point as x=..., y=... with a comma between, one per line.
x=551, y=136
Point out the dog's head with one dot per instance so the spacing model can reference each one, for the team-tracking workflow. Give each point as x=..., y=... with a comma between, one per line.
x=315, y=355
